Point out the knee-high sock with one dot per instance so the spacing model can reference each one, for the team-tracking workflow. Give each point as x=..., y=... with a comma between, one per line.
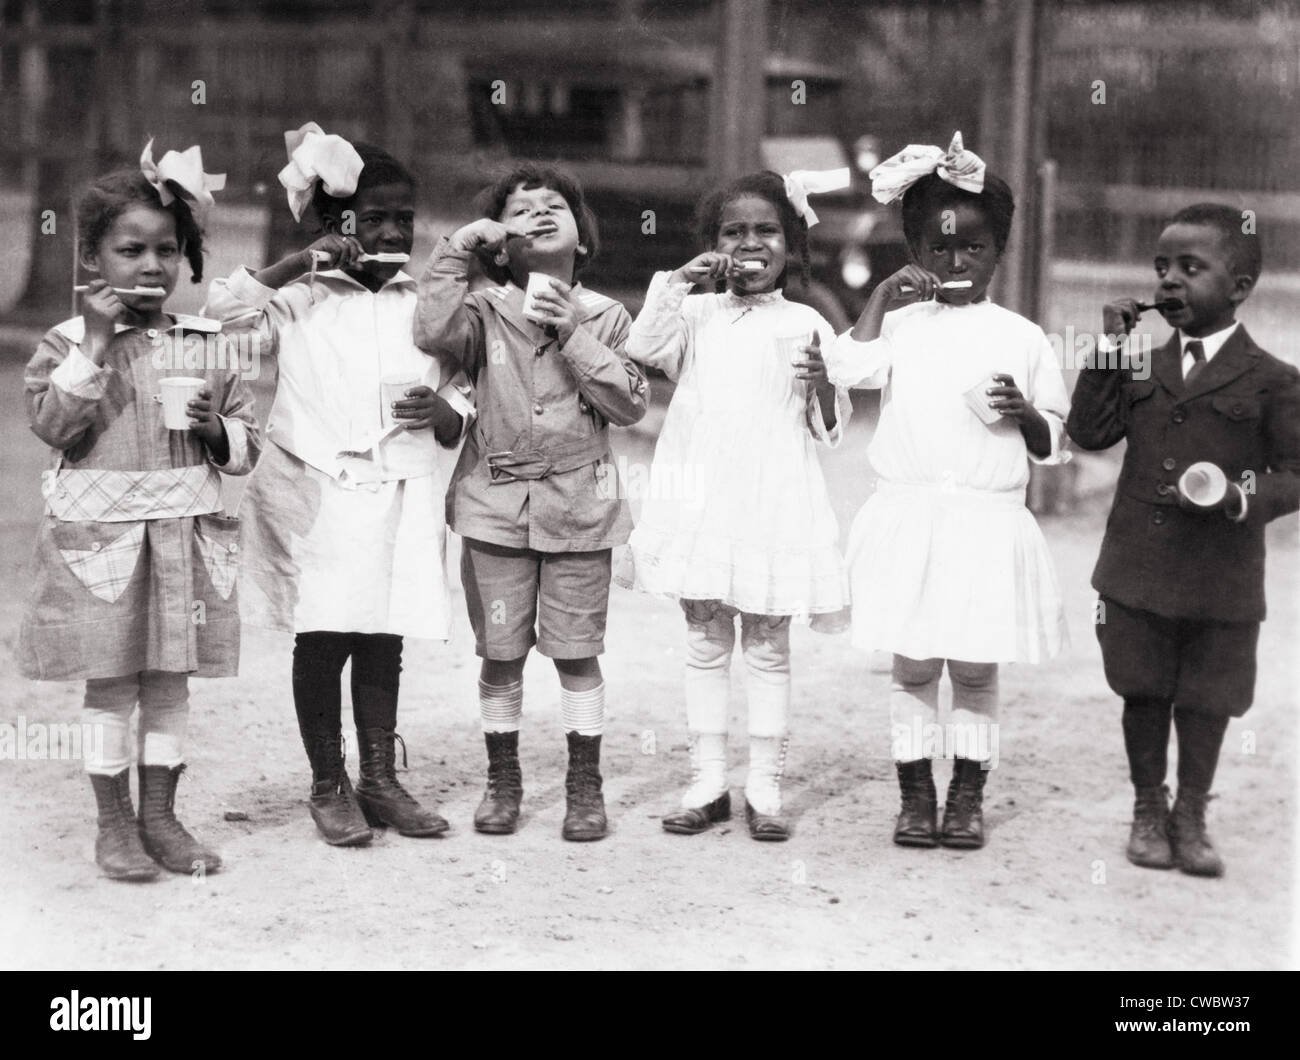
x=107, y=710
x=500, y=707
x=766, y=767
x=974, y=710
x=318, y=660
x=1146, y=740
x=914, y=708
x=1200, y=738
x=164, y=718
x=583, y=712
x=708, y=662
x=765, y=643
x=376, y=677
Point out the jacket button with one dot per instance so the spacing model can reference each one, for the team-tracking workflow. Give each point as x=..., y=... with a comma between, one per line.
x=537, y=409
x=234, y=548
x=1163, y=489
x=1236, y=410
x=96, y=547
x=1179, y=416
x=1168, y=463
x=1158, y=518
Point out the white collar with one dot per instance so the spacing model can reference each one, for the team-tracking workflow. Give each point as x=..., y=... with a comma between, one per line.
x=1213, y=343
x=398, y=279
x=75, y=329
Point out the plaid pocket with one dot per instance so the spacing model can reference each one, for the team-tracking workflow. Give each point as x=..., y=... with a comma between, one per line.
x=217, y=539
x=103, y=563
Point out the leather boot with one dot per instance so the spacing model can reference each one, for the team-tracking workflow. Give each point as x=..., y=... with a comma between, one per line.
x=333, y=803
x=963, y=815
x=584, y=816
x=383, y=801
x=1191, y=846
x=117, y=846
x=163, y=836
x=1148, y=839
x=498, y=813
x=918, y=820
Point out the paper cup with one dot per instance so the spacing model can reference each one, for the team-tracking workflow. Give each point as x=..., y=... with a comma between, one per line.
x=393, y=388
x=978, y=398
x=177, y=391
x=537, y=281
x=1204, y=484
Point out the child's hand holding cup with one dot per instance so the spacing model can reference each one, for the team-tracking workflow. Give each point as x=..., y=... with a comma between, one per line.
x=1204, y=487
x=804, y=354
x=175, y=394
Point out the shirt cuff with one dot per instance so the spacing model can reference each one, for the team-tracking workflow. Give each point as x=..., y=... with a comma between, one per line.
x=79, y=376
x=1240, y=517
x=832, y=436
x=1059, y=454
x=245, y=288
x=237, y=443
x=864, y=365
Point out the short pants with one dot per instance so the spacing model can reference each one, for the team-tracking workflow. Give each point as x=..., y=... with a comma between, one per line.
x=517, y=598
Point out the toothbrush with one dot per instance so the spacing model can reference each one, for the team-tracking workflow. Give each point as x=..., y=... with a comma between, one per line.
x=386, y=259
x=740, y=266
x=144, y=292
x=947, y=285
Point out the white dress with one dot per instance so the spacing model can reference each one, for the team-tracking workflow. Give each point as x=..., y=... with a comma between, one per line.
x=737, y=508
x=344, y=524
x=945, y=560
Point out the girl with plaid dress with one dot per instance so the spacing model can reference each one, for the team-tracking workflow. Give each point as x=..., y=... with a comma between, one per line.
x=135, y=562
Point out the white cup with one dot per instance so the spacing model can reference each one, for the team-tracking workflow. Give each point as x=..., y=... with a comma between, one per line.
x=1204, y=484
x=790, y=349
x=177, y=391
x=537, y=281
x=393, y=388
x=978, y=398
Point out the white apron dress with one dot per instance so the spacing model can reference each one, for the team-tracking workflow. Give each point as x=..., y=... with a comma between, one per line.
x=736, y=507
x=344, y=524
x=945, y=560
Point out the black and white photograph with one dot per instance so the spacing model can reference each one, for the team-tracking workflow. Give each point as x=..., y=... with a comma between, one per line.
x=888, y=414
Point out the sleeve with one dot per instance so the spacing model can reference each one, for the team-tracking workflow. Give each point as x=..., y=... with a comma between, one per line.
x=862, y=365
x=1277, y=491
x=660, y=337
x=243, y=305
x=1048, y=395
x=1098, y=416
x=63, y=388
x=827, y=436
x=607, y=377
x=243, y=436
x=447, y=316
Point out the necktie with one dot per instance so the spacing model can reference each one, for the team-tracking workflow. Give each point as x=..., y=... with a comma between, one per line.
x=1198, y=361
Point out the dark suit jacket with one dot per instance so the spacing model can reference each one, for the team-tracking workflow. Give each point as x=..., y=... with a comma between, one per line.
x=1241, y=412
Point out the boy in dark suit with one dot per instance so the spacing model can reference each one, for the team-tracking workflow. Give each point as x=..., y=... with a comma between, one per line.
x=1182, y=584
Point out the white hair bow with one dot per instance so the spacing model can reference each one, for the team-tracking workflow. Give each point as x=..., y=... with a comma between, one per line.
x=804, y=182
x=185, y=170
x=314, y=156
x=957, y=166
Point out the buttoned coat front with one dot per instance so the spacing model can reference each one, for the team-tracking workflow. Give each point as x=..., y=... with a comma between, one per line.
x=1241, y=412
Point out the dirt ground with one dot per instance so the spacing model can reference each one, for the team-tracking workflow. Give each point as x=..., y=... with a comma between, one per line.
x=1051, y=890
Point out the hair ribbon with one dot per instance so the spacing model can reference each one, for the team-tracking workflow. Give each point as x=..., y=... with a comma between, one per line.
x=957, y=166
x=804, y=182
x=184, y=169
x=315, y=156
